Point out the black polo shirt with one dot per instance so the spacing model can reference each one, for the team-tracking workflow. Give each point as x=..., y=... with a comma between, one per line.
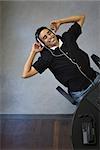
x=62, y=68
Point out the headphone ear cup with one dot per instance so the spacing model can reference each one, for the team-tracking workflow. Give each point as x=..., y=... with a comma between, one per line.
x=40, y=42
x=53, y=31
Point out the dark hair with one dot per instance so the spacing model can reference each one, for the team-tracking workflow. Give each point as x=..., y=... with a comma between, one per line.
x=38, y=32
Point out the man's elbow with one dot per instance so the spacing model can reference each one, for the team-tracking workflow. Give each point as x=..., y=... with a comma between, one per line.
x=24, y=76
x=82, y=17
x=30, y=73
x=81, y=20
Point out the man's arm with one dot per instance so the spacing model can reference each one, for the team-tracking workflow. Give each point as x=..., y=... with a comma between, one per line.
x=29, y=70
x=56, y=23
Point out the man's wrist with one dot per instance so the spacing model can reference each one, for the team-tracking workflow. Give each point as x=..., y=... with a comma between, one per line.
x=60, y=22
x=33, y=52
x=63, y=21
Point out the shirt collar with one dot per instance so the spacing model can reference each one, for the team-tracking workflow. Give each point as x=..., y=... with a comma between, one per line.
x=60, y=44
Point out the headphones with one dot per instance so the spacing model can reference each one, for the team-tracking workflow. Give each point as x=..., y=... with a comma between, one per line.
x=42, y=44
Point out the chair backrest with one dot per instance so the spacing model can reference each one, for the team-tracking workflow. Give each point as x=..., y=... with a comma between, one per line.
x=96, y=60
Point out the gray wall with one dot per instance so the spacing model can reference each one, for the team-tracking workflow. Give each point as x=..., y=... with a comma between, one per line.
x=0, y=58
x=19, y=21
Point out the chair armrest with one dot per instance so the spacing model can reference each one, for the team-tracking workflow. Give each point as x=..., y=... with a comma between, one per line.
x=96, y=60
x=66, y=95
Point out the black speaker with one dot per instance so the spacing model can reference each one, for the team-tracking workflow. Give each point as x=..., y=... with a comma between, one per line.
x=86, y=122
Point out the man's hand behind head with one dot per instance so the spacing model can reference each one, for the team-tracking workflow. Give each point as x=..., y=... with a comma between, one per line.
x=54, y=25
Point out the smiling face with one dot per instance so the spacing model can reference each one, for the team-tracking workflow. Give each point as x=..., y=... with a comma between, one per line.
x=48, y=38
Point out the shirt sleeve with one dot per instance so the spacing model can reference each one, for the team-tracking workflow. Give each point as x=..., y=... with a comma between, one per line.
x=43, y=62
x=73, y=32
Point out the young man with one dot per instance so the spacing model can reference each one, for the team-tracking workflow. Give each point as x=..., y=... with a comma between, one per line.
x=61, y=54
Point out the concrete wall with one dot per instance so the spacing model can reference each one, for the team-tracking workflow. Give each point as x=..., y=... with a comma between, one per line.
x=0, y=61
x=38, y=94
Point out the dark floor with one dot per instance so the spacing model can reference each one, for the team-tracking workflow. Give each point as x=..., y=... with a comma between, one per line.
x=35, y=132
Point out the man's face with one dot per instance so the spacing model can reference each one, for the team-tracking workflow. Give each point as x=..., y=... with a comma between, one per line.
x=48, y=38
